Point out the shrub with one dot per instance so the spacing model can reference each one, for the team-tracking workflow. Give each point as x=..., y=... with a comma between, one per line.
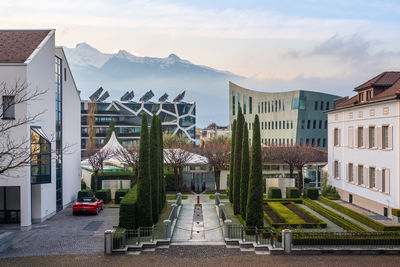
x=307, y=180
x=357, y=216
x=274, y=192
x=120, y=193
x=311, y=192
x=292, y=192
x=104, y=194
x=330, y=192
x=112, y=176
x=83, y=185
x=85, y=193
x=284, y=200
x=169, y=181
x=333, y=217
x=127, y=210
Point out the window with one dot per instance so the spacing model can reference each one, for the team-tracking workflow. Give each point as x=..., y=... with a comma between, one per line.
x=302, y=124
x=262, y=125
x=307, y=141
x=269, y=125
x=313, y=142
x=276, y=124
x=316, y=105
x=350, y=136
x=360, y=137
x=327, y=105
x=279, y=105
x=276, y=105
x=326, y=124
x=369, y=94
x=314, y=124
x=360, y=174
x=336, y=169
x=322, y=105
x=233, y=104
x=320, y=124
x=324, y=142
x=259, y=107
x=385, y=182
x=360, y=97
x=283, y=124
x=371, y=136
x=336, y=137
x=350, y=172
x=269, y=106
x=238, y=97
x=371, y=177
x=262, y=107
x=386, y=137
x=65, y=74
x=40, y=157
x=318, y=142
x=8, y=107
x=308, y=124
x=291, y=124
x=250, y=105
x=244, y=104
x=280, y=125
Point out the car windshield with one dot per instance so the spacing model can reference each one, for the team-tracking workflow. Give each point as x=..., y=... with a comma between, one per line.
x=87, y=199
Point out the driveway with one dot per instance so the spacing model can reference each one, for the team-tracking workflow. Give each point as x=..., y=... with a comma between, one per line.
x=63, y=234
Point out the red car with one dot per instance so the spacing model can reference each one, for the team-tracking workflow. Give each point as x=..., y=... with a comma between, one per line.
x=87, y=204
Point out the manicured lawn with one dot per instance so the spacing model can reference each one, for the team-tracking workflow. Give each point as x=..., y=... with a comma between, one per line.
x=289, y=216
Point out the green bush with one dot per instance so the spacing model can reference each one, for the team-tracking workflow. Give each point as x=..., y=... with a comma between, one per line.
x=127, y=210
x=83, y=185
x=333, y=217
x=359, y=217
x=85, y=193
x=311, y=192
x=241, y=220
x=104, y=194
x=284, y=200
x=330, y=192
x=170, y=181
x=274, y=192
x=112, y=176
x=292, y=192
x=120, y=193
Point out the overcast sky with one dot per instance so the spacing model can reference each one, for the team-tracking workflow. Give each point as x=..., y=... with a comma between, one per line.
x=322, y=45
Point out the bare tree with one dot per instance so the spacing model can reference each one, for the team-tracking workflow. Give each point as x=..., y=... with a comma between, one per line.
x=177, y=154
x=15, y=153
x=217, y=151
x=296, y=157
x=96, y=160
x=129, y=156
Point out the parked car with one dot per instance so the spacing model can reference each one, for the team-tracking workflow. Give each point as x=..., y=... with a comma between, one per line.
x=87, y=205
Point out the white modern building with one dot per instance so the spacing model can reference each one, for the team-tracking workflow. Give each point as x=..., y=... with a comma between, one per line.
x=363, y=147
x=50, y=179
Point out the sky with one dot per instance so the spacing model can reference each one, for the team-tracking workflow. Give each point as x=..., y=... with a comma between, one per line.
x=311, y=44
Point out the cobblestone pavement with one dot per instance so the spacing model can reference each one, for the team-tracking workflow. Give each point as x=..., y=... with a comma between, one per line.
x=64, y=234
x=203, y=256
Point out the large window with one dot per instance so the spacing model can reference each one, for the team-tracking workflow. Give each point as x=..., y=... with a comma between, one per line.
x=250, y=105
x=360, y=174
x=59, y=153
x=350, y=172
x=360, y=137
x=371, y=177
x=336, y=169
x=385, y=137
x=336, y=137
x=371, y=137
x=8, y=107
x=40, y=157
x=385, y=182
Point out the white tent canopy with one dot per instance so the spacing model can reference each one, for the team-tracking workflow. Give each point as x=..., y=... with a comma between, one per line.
x=113, y=146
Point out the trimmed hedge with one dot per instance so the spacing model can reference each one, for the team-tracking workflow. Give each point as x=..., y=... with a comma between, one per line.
x=292, y=192
x=169, y=181
x=83, y=185
x=112, y=176
x=220, y=197
x=274, y=192
x=317, y=220
x=359, y=217
x=311, y=192
x=284, y=200
x=127, y=210
x=333, y=217
x=85, y=193
x=104, y=194
x=286, y=214
x=120, y=193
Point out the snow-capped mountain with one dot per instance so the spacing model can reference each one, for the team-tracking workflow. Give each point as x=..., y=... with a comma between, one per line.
x=122, y=71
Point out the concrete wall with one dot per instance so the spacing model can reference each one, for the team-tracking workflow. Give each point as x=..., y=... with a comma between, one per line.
x=347, y=152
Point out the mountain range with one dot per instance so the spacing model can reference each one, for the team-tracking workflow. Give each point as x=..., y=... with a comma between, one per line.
x=123, y=71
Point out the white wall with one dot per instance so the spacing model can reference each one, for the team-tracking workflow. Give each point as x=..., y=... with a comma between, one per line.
x=377, y=158
x=71, y=136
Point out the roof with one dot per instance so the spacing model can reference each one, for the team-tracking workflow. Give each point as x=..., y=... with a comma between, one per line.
x=16, y=46
x=113, y=146
x=388, y=82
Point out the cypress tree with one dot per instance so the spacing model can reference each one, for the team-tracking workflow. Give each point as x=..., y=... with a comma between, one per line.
x=244, y=179
x=154, y=167
x=230, y=183
x=255, y=213
x=144, y=206
x=237, y=162
x=161, y=166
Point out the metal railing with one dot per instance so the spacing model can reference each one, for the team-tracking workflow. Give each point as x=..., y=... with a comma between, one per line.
x=359, y=240
x=260, y=236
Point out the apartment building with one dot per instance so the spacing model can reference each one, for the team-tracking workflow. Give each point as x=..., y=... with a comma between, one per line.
x=363, y=150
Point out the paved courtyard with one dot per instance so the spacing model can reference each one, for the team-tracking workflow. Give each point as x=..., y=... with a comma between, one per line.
x=63, y=234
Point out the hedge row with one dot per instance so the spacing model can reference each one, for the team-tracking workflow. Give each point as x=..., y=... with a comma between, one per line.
x=284, y=200
x=85, y=193
x=120, y=193
x=274, y=192
x=286, y=214
x=112, y=176
x=311, y=192
x=292, y=192
x=104, y=194
x=333, y=217
x=331, y=239
x=317, y=220
x=357, y=216
x=127, y=210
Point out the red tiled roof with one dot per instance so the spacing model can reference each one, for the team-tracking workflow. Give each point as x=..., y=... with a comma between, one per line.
x=17, y=45
x=388, y=81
